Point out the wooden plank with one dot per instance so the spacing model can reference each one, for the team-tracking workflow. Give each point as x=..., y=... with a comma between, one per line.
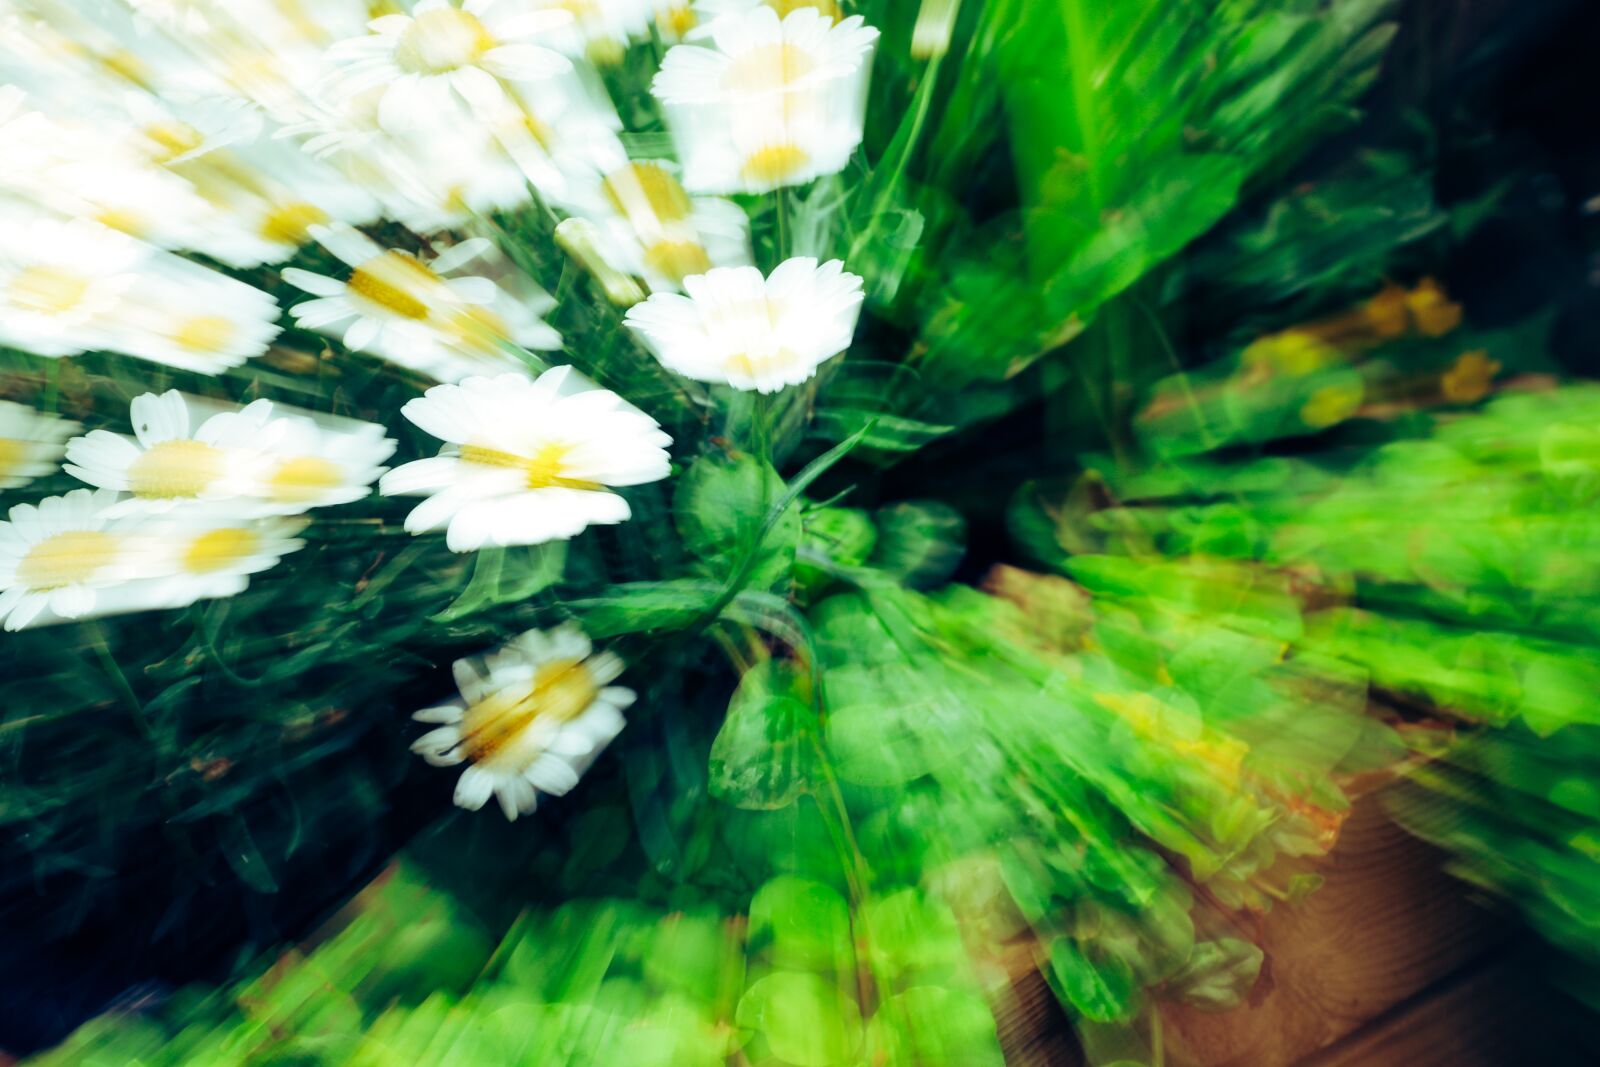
x=1489, y=1015
x=1387, y=923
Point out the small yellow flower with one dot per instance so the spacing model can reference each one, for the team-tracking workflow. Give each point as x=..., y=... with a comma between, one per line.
x=1331, y=404
x=1469, y=377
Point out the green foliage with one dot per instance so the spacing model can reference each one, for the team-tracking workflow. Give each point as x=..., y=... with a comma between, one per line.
x=764, y=755
x=723, y=505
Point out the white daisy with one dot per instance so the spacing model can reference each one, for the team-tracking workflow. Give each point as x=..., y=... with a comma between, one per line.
x=57, y=556
x=648, y=226
x=319, y=462
x=708, y=11
x=750, y=332
x=184, y=315
x=409, y=312
x=60, y=282
x=676, y=19
x=769, y=102
x=599, y=30
x=210, y=551
x=169, y=461
x=531, y=719
x=527, y=461
x=31, y=443
x=69, y=287
x=431, y=176
x=440, y=48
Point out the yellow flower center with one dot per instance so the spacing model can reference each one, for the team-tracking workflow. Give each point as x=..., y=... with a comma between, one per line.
x=13, y=454
x=204, y=333
x=676, y=21
x=47, y=289
x=769, y=68
x=677, y=259
x=645, y=191
x=216, y=549
x=389, y=279
x=776, y=163
x=827, y=7
x=303, y=479
x=67, y=559
x=442, y=40
x=173, y=139
x=288, y=223
x=542, y=470
x=175, y=470
x=560, y=691
x=474, y=328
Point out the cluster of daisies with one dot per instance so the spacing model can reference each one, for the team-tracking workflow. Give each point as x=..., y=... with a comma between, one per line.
x=187, y=508
x=153, y=146
x=136, y=130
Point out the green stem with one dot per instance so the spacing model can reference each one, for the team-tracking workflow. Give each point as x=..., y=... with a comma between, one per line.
x=781, y=206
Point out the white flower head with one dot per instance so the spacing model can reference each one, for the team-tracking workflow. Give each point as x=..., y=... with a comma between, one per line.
x=184, y=315
x=68, y=287
x=57, y=556
x=440, y=48
x=169, y=461
x=210, y=551
x=648, y=226
x=526, y=461
x=413, y=313
x=750, y=332
x=531, y=719
x=599, y=30
x=31, y=443
x=768, y=102
x=61, y=282
x=319, y=461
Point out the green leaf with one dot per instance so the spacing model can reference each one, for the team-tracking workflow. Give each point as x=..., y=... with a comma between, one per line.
x=1101, y=991
x=239, y=849
x=919, y=542
x=728, y=507
x=799, y=924
x=507, y=575
x=641, y=607
x=763, y=756
x=934, y=1027
x=807, y=1021
x=1218, y=975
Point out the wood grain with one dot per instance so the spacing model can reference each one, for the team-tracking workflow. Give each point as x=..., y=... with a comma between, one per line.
x=1387, y=924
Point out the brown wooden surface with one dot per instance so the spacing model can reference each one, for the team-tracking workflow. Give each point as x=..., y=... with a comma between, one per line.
x=1387, y=925
x=1389, y=964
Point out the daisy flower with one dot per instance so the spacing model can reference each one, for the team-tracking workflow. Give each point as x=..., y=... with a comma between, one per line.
x=531, y=719
x=405, y=310
x=183, y=315
x=708, y=11
x=60, y=281
x=320, y=461
x=169, y=461
x=31, y=443
x=440, y=49
x=527, y=461
x=648, y=226
x=207, y=552
x=768, y=102
x=599, y=30
x=750, y=332
x=69, y=287
x=57, y=556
